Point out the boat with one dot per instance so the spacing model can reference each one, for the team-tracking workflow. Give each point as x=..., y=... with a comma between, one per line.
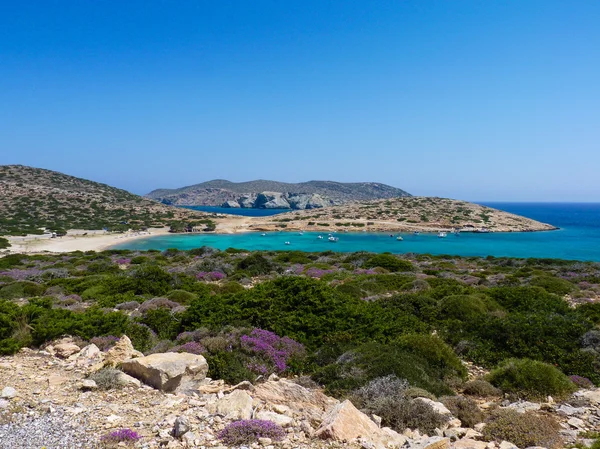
x=399, y=238
x=263, y=234
x=416, y=233
x=333, y=239
x=320, y=237
x=442, y=235
x=301, y=233
x=287, y=243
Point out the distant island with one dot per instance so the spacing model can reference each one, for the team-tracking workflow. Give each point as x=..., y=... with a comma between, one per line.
x=263, y=194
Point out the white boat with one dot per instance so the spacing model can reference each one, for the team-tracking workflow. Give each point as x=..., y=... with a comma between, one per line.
x=442, y=235
x=263, y=234
x=301, y=233
x=320, y=237
x=399, y=238
x=287, y=243
x=333, y=239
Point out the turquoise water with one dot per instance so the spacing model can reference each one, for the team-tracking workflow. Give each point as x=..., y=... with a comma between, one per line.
x=578, y=238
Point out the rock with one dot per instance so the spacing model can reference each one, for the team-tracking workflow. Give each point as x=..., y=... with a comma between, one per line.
x=437, y=406
x=432, y=443
x=189, y=438
x=231, y=203
x=507, y=445
x=591, y=395
x=308, y=404
x=235, y=405
x=180, y=427
x=271, y=200
x=345, y=423
x=282, y=420
x=307, y=201
x=468, y=443
x=567, y=410
x=265, y=441
x=524, y=406
x=88, y=384
x=121, y=351
x=126, y=380
x=90, y=352
x=65, y=350
x=577, y=423
x=8, y=393
x=168, y=371
x=4, y=404
x=473, y=434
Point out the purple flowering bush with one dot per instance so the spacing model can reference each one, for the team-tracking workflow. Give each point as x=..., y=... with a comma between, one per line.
x=270, y=350
x=581, y=382
x=250, y=430
x=104, y=343
x=209, y=276
x=191, y=347
x=121, y=435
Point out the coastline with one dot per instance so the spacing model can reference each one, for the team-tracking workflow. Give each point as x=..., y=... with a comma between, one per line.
x=75, y=240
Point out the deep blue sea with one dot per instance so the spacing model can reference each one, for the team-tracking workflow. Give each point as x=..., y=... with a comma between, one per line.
x=578, y=238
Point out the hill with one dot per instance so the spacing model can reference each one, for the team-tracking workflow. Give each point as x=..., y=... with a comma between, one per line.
x=426, y=214
x=276, y=195
x=35, y=198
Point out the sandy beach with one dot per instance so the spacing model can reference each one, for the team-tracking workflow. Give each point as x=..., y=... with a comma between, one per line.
x=77, y=241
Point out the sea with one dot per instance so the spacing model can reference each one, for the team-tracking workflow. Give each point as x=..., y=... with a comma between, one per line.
x=577, y=239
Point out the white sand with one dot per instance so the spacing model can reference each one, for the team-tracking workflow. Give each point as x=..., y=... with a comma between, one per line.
x=94, y=241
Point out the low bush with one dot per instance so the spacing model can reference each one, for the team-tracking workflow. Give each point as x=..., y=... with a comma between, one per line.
x=248, y=431
x=181, y=296
x=106, y=378
x=464, y=408
x=530, y=379
x=522, y=429
x=386, y=397
x=389, y=262
x=481, y=388
x=120, y=436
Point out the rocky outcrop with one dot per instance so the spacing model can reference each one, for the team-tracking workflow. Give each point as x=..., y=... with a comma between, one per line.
x=169, y=371
x=279, y=200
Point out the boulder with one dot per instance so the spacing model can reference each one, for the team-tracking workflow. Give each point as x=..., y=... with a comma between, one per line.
x=121, y=351
x=65, y=350
x=432, y=443
x=437, y=406
x=346, y=423
x=168, y=372
x=181, y=426
x=247, y=201
x=235, y=405
x=88, y=384
x=591, y=395
x=231, y=204
x=300, y=401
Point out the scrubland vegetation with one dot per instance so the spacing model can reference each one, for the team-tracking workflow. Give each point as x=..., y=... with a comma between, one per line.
x=379, y=329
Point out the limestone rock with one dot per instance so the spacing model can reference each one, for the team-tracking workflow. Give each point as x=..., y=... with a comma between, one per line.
x=181, y=426
x=346, y=423
x=121, y=351
x=437, y=406
x=8, y=393
x=433, y=443
x=65, y=350
x=282, y=420
x=468, y=443
x=88, y=384
x=307, y=404
x=507, y=445
x=591, y=395
x=235, y=405
x=126, y=380
x=231, y=204
x=169, y=371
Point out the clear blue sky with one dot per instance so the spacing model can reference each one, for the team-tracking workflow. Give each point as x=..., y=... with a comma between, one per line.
x=479, y=100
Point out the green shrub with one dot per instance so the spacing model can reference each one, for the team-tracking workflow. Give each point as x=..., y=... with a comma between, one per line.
x=531, y=379
x=21, y=289
x=181, y=296
x=229, y=367
x=4, y=243
x=481, y=388
x=464, y=408
x=523, y=429
x=463, y=307
x=389, y=262
x=255, y=265
x=553, y=284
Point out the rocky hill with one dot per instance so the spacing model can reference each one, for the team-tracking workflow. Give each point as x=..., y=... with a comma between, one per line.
x=274, y=195
x=425, y=214
x=35, y=198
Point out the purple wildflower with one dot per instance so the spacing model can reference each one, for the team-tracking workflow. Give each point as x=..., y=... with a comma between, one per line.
x=278, y=351
x=249, y=431
x=581, y=382
x=192, y=347
x=117, y=436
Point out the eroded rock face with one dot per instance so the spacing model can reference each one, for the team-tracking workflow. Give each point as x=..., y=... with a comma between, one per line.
x=271, y=200
x=121, y=351
x=169, y=371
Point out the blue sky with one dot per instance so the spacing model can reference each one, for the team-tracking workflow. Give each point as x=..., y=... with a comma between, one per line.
x=479, y=100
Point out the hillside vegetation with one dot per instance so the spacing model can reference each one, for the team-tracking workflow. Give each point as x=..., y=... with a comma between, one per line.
x=34, y=198
x=218, y=192
x=403, y=215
